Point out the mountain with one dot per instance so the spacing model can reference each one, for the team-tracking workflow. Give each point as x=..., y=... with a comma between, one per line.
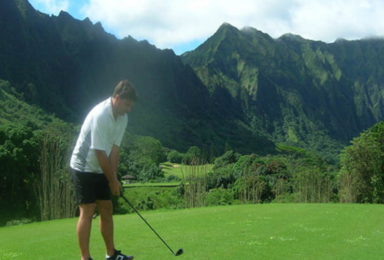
x=297, y=91
x=240, y=86
x=66, y=66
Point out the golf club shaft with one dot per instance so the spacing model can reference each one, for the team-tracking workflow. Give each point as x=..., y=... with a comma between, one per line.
x=145, y=222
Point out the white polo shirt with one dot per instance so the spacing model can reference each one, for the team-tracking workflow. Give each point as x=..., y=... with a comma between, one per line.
x=100, y=131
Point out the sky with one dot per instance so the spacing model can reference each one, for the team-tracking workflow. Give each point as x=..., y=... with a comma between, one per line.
x=182, y=25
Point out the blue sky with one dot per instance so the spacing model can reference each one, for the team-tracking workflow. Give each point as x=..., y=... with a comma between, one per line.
x=182, y=25
x=54, y=7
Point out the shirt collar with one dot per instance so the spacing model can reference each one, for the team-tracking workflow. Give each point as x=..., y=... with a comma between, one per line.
x=109, y=104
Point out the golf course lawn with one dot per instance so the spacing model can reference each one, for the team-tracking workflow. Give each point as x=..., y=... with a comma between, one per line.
x=180, y=170
x=269, y=231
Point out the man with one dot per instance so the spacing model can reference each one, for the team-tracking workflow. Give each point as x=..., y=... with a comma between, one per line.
x=94, y=166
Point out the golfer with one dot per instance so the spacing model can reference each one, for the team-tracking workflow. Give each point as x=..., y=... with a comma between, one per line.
x=94, y=166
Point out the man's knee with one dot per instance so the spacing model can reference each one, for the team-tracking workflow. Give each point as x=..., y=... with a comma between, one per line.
x=87, y=210
x=105, y=208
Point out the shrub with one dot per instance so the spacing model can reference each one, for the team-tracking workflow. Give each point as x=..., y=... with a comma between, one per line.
x=221, y=178
x=228, y=158
x=217, y=197
x=17, y=222
x=172, y=178
x=175, y=157
x=193, y=156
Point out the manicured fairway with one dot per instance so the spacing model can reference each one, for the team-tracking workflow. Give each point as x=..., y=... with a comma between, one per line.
x=181, y=171
x=270, y=231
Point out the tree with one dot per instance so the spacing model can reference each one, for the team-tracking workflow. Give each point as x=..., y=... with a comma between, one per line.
x=193, y=154
x=361, y=176
x=141, y=156
x=175, y=157
x=18, y=164
x=149, y=147
x=227, y=158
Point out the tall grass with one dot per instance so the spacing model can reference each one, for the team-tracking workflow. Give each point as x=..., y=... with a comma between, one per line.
x=53, y=187
x=195, y=178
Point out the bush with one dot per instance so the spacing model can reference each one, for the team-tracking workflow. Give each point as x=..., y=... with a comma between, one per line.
x=175, y=157
x=217, y=197
x=193, y=156
x=17, y=222
x=151, y=199
x=172, y=178
x=121, y=207
x=228, y=158
x=168, y=200
x=222, y=178
x=149, y=172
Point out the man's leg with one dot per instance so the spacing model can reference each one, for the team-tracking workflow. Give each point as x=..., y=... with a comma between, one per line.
x=84, y=229
x=106, y=224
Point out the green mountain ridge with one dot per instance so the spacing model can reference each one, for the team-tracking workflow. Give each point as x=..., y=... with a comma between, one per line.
x=66, y=66
x=298, y=91
x=240, y=86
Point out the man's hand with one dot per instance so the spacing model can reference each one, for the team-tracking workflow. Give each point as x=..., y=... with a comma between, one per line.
x=109, y=170
x=115, y=187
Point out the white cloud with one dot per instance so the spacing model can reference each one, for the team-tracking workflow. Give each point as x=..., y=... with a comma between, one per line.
x=352, y=19
x=170, y=23
x=50, y=6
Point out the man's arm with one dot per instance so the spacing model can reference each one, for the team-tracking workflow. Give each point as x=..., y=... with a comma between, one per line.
x=108, y=169
x=114, y=158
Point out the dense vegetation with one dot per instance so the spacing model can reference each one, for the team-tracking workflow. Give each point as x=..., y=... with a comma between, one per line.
x=362, y=172
x=33, y=147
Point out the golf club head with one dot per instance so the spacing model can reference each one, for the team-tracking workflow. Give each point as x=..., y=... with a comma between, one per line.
x=179, y=252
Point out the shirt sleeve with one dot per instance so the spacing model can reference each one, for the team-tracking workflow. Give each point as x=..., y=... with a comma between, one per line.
x=122, y=131
x=99, y=133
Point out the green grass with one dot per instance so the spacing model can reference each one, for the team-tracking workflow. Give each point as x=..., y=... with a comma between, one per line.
x=269, y=231
x=178, y=169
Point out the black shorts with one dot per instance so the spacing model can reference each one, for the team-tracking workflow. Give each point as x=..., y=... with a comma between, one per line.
x=90, y=187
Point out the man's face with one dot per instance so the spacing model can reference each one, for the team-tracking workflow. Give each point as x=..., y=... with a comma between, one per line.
x=123, y=105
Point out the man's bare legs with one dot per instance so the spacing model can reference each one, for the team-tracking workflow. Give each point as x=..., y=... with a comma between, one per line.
x=106, y=224
x=84, y=225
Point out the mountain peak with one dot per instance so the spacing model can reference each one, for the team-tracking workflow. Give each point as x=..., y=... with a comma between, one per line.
x=227, y=27
x=87, y=21
x=339, y=40
x=291, y=37
x=65, y=15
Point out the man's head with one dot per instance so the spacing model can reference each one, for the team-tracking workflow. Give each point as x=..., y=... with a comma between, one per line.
x=124, y=97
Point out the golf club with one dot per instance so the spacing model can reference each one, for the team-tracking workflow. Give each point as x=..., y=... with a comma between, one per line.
x=179, y=252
